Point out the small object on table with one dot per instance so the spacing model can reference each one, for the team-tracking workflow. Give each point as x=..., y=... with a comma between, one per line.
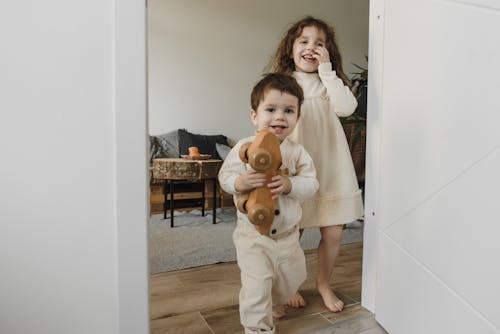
x=194, y=154
x=196, y=157
x=193, y=151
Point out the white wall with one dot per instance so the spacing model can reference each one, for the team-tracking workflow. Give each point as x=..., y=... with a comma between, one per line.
x=205, y=56
x=63, y=225
x=436, y=204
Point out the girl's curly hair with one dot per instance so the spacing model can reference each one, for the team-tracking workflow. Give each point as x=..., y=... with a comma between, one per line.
x=283, y=59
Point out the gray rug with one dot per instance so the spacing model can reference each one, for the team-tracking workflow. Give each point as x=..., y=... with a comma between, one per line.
x=195, y=241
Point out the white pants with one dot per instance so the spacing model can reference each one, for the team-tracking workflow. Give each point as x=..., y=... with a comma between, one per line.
x=272, y=269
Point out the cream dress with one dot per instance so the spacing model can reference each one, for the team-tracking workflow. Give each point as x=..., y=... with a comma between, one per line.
x=338, y=200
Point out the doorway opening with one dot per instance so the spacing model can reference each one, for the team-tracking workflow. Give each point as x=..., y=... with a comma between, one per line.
x=196, y=55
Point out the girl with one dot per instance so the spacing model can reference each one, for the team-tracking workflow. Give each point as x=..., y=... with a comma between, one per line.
x=309, y=52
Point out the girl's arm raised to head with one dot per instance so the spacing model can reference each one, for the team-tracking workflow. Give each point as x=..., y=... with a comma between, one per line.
x=341, y=99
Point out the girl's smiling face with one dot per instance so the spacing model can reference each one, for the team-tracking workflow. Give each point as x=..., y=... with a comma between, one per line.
x=304, y=54
x=278, y=113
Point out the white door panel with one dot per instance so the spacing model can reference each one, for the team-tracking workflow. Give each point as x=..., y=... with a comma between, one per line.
x=488, y=4
x=452, y=237
x=418, y=301
x=440, y=97
x=434, y=195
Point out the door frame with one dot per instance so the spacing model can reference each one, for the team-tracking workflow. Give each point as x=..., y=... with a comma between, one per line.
x=373, y=143
x=131, y=131
x=131, y=164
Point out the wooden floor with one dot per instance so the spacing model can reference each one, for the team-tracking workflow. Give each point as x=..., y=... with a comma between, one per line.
x=204, y=300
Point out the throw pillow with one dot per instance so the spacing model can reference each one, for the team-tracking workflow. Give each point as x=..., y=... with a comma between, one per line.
x=154, y=149
x=169, y=144
x=222, y=150
x=205, y=144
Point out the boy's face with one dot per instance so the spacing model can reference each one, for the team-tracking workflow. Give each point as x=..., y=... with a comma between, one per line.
x=278, y=113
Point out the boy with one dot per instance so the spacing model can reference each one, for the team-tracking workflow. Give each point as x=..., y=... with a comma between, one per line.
x=272, y=267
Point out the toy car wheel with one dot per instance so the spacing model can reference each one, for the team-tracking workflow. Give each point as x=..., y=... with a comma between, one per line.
x=243, y=152
x=260, y=215
x=260, y=160
x=241, y=203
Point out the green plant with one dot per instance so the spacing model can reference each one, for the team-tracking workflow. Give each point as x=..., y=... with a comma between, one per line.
x=360, y=89
x=355, y=124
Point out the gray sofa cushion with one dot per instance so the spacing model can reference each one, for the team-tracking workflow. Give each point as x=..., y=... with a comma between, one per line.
x=169, y=143
x=164, y=146
x=223, y=150
x=154, y=149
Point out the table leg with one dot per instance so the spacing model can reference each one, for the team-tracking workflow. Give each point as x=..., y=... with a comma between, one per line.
x=215, y=199
x=171, y=203
x=203, y=199
x=165, y=184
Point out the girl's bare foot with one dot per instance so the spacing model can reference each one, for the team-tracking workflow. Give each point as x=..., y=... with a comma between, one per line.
x=278, y=311
x=296, y=301
x=332, y=302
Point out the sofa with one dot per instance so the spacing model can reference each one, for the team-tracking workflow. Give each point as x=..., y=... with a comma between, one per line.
x=175, y=143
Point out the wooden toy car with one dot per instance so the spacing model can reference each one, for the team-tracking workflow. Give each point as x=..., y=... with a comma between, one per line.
x=263, y=155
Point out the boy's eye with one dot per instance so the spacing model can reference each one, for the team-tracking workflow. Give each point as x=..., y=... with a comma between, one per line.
x=289, y=111
x=270, y=109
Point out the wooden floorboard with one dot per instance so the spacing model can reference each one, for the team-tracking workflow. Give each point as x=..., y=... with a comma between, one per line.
x=205, y=300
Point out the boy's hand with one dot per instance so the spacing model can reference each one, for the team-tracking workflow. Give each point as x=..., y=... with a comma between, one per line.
x=249, y=180
x=279, y=184
x=321, y=54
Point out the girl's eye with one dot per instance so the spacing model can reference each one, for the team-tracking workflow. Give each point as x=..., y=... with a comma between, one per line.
x=270, y=109
x=319, y=44
x=289, y=111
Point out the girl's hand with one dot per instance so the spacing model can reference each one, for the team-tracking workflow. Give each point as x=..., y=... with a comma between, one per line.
x=279, y=185
x=321, y=54
x=249, y=180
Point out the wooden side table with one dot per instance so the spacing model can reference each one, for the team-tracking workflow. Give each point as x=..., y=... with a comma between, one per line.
x=177, y=169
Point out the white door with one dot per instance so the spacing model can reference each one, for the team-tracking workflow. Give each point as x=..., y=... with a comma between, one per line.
x=432, y=242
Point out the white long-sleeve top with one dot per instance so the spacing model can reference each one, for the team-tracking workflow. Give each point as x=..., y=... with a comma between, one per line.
x=338, y=200
x=301, y=173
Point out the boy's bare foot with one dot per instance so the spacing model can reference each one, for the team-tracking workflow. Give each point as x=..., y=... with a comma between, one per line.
x=278, y=311
x=332, y=302
x=296, y=301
